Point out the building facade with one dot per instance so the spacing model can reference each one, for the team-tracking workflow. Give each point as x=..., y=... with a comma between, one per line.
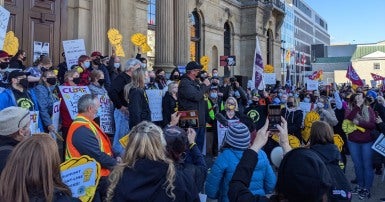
x=178, y=30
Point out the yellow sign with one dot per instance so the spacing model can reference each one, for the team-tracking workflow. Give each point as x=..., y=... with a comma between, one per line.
x=11, y=43
x=205, y=62
x=124, y=141
x=116, y=40
x=82, y=176
x=338, y=141
x=138, y=39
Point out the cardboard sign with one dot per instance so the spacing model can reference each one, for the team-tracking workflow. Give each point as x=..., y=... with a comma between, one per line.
x=56, y=114
x=82, y=176
x=34, y=122
x=379, y=145
x=269, y=78
x=72, y=50
x=312, y=85
x=222, y=131
x=155, y=103
x=4, y=18
x=71, y=96
x=106, y=114
x=188, y=119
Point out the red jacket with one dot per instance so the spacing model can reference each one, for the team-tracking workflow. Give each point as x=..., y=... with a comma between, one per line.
x=64, y=114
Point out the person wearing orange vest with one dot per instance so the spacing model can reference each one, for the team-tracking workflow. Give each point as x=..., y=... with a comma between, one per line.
x=86, y=138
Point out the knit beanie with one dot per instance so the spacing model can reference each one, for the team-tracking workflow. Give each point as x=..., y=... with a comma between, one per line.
x=12, y=119
x=238, y=136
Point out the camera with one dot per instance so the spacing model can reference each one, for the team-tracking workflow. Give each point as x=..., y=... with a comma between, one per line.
x=202, y=75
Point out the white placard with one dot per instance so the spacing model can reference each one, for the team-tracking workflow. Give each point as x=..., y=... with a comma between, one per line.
x=379, y=145
x=155, y=103
x=222, y=131
x=270, y=78
x=37, y=49
x=106, y=114
x=71, y=96
x=4, y=18
x=312, y=84
x=56, y=115
x=34, y=122
x=72, y=50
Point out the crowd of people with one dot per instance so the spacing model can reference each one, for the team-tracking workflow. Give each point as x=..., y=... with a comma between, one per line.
x=165, y=161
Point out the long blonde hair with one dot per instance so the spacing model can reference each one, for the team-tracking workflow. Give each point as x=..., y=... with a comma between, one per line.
x=146, y=141
x=137, y=81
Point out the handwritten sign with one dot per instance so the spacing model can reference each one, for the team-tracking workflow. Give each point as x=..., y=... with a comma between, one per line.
x=71, y=96
x=312, y=84
x=82, y=176
x=56, y=114
x=34, y=122
x=4, y=18
x=155, y=103
x=106, y=114
x=222, y=131
x=270, y=78
x=73, y=49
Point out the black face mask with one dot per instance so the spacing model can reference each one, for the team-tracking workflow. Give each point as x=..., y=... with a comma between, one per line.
x=24, y=82
x=175, y=77
x=51, y=81
x=214, y=84
x=290, y=104
x=101, y=82
x=333, y=105
x=4, y=65
x=160, y=77
x=76, y=80
x=97, y=61
x=255, y=102
x=152, y=79
x=24, y=58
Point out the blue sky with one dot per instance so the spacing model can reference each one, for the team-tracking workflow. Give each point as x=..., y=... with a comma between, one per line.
x=352, y=21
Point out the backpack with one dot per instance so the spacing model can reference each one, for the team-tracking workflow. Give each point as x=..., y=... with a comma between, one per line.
x=340, y=190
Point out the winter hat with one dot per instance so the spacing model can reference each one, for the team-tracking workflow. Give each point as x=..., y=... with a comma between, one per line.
x=176, y=138
x=371, y=94
x=302, y=176
x=12, y=119
x=238, y=136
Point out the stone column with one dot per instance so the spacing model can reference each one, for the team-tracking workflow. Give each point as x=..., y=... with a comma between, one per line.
x=164, y=35
x=98, y=26
x=181, y=32
x=2, y=3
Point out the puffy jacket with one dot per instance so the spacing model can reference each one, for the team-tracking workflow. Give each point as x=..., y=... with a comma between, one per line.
x=217, y=184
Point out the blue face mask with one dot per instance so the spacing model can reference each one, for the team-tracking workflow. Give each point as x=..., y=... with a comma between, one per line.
x=87, y=64
x=236, y=94
x=116, y=64
x=214, y=95
x=279, y=94
x=307, y=100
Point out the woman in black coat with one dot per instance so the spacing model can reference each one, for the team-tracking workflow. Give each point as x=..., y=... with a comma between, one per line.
x=170, y=103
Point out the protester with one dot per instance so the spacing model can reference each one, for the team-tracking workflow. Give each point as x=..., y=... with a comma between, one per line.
x=84, y=62
x=257, y=111
x=154, y=174
x=360, y=142
x=17, y=60
x=114, y=66
x=37, y=164
x=326, y=112
x=97, y=64
x=47, y=97
x=293, y=116
x=170, y=102
x=62, y=69
x=214, y=106
x=160, y=80
x=41, y=64
x=236, y=141
x=191, y=94
x=86, y=138
x=175, y=75
x=141, y=59
x=14, y=128
x=231, y=113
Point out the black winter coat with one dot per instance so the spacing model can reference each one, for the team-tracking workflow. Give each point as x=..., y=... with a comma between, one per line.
x=138, y=107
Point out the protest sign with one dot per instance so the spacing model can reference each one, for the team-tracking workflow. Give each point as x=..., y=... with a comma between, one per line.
x=106, y=114
x=34, y=122
x=155, y=103
x=71, y=95
x=56, y=115
x=222, y=131
x=82, y=176
x=269, y=78
x=379, y=145
x=72, y=50
x=4, y=18
x=312, y=84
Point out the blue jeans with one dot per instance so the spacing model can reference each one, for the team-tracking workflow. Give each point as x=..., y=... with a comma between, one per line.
x=362, y=156
x=121, y=129
x=200, y=138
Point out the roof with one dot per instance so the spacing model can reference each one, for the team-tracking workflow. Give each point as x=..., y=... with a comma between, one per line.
x=362, y=51
x=333, y=60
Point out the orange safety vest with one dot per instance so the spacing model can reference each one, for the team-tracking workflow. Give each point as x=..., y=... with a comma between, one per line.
x=104, y=141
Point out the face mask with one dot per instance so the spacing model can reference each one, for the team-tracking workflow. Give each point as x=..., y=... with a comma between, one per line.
x=290, y=104
x=231, y=107
x=214, y=84
x=283, y=101
x=236, y=94
x=255, y=102
x=175, y=77
x=24, y=58
x=279, y=94
x=87, y=64
x=116, y=64
x=320, y=105
x=96, y=61
x=307, y=100
x=333, y=105
x=76, y=80
x=152, y=79
x=214, y=95
x=101, y=82
x=160, y=77
x=296, y=95
x=216, y=74
x=51, y=81
x=24, y=82
x=4, y=65
x=143, y=65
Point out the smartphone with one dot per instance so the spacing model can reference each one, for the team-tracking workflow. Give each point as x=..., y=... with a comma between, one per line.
x=274, y=114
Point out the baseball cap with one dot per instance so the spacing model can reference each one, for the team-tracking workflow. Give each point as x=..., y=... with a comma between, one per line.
x=17, y=73
x=193, y=65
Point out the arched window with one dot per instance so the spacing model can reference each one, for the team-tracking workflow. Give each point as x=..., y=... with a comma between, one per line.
x=227, y=45
x=269, y=47
x=195, y=33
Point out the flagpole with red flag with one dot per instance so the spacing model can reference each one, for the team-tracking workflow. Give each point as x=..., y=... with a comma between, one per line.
x=258, y=67
x=352, y=75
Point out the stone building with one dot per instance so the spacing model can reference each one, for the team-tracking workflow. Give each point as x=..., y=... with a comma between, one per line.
x=183, y=29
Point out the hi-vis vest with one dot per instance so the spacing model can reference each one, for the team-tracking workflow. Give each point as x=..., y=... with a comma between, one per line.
x=104, y=141
x=212, y=112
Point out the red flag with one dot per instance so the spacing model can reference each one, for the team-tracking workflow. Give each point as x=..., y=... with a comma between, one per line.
x=352, y=75
x=377, y=77
x=303, y=59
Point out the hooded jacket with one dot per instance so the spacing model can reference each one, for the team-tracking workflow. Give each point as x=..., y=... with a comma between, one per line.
x=145, y=182
x=294, y=119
